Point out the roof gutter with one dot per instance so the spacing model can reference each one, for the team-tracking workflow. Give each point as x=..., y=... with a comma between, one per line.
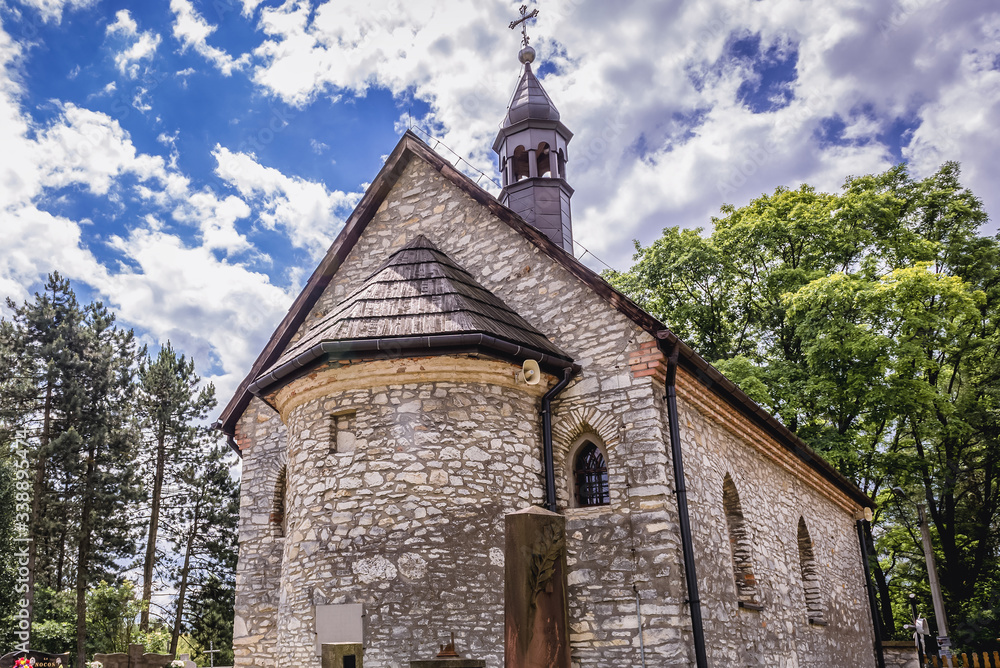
x=435, y=344
x=728, y=390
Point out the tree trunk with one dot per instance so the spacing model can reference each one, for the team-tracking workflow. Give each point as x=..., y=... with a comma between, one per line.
x=154, y=523
x=884, y=603
x=82, y=559
x=182, y=589
x=37, y=491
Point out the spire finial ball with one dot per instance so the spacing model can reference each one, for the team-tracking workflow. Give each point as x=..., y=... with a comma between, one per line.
x=526, y=55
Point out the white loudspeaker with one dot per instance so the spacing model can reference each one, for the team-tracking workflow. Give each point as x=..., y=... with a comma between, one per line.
x=531, y=373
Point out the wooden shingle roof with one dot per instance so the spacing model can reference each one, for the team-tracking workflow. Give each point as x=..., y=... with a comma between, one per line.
x=417, y=292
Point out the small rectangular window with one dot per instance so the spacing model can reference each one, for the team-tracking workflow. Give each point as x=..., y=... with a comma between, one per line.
x=342, y=431
x=349, y=661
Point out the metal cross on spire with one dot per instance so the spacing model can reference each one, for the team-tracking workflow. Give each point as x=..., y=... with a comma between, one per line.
x=524, y=23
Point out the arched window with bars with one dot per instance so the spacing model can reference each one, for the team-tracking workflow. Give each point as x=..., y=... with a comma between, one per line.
x=590, y=476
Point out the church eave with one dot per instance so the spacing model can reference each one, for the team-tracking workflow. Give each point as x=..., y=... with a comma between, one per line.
x=529, y=181
x=408, y=346
x=541, y=124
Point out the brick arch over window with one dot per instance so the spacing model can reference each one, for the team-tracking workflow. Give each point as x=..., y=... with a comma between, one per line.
x=810, y=575
x=740, y=547
x=279, y=504
x=569, y=431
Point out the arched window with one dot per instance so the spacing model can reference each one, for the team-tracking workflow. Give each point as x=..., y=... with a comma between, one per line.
x=279, y=516
x=519, y=164
x=590, y=477
x=562, y=163
x=810, y=576
x=739, y=544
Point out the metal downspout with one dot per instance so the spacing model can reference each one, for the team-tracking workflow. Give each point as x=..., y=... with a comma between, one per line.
x=697, y=631
x=550, y=475
x=876, y=622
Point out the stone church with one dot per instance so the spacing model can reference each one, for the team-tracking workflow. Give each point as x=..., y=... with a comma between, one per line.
x=389, y=426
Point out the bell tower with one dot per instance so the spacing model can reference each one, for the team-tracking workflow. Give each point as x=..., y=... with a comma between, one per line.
x=531, y=146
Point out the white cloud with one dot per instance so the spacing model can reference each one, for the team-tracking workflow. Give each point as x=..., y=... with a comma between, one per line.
x=308, y=213
x=88, y=148
x=216, y=312
x=52, y=10
x=653, y=97
x=249, y=6
x=192, y=31
x=141, y=45
x=124, y=24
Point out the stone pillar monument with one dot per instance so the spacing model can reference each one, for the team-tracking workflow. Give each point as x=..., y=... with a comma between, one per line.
x=536, y=610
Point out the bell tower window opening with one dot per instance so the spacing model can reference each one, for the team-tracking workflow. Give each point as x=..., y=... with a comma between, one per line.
x=544, y=160
x=519, y=164
x=590, y=475
x=561, y=159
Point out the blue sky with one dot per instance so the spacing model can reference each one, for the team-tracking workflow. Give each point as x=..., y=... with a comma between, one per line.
x=189, y=161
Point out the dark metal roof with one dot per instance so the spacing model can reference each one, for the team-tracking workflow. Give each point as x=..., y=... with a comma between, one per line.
x=418, y=292
x=530, y=101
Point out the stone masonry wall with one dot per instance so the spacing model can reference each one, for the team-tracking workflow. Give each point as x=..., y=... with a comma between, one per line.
x=716, y=444
x=410, y=522
x=900, y=654
x=261, y=436
x=362, y=541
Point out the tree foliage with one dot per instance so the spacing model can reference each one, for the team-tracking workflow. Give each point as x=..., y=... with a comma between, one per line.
x=867, y=321
x=96, y=416
x=171, y=404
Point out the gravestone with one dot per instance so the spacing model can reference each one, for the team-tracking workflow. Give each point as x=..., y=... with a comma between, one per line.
x=136, y=658
x=536, y=610
x=41, y=659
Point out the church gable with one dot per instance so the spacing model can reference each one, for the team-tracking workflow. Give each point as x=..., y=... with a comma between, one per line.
x=419, y=193
x=505, y=260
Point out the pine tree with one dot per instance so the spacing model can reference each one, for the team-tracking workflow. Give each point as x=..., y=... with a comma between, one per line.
x=104, y=485
x=212, y=617
x=169, y=404
x=43, y=346
x=204, y=528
